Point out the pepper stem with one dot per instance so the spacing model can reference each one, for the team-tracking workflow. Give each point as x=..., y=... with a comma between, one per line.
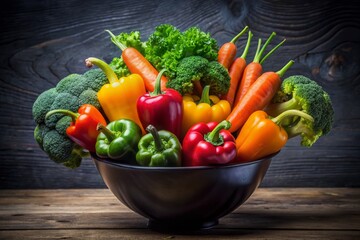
x=110, y=74
x=73, y=115
x=107, y=132
x=214, y=136
x=157, y=88
x=157, y=140
x=205, y=96
x=239, y=34
x=288, y=113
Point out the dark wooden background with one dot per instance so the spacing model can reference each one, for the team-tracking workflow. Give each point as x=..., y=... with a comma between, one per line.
x=43, y=41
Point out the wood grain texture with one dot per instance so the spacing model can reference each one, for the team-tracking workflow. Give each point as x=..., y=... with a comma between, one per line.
x=44, y=41
x=270, y=213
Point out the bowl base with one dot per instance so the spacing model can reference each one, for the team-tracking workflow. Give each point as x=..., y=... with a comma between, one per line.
x=180, y=226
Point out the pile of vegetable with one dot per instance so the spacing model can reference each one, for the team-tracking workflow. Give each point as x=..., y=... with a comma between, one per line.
x=178, y=99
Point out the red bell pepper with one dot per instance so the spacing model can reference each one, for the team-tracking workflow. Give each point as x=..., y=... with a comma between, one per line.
x=162, y=109
x=209, y=144
x=82, y=129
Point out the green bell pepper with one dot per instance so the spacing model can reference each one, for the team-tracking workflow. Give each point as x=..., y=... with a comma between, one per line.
x=159, y=149
x=118, y=139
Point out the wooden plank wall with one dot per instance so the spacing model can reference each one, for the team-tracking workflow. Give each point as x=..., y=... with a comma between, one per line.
x=44, y=41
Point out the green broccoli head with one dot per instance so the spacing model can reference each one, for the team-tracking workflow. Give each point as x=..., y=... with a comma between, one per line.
x=89, y=96
x=197, y=68
x=43, y=104
x=73, y=84
x=57, y=146
x=301, y=93
x=95, y=79
x=217, y=76
x=190, y=69
x=70, y=93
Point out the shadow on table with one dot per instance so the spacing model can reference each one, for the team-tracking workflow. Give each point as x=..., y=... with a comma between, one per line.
x=247, y=223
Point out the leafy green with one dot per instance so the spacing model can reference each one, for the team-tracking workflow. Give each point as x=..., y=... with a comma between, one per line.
x=167, y=45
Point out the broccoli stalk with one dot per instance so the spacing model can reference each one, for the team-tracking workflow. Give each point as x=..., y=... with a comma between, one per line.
x=303, y=94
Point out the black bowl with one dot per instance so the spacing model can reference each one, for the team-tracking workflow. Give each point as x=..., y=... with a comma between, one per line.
x=182, y=197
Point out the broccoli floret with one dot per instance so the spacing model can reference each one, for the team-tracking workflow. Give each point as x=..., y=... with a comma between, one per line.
x=189, y=70
x=95, y=79
x=63, y=123
x=196, y=68
x=43, y=104
x=217, y=76
x=39, y=133
x=62, y=101
x=73, y=84
x=89, y=96
x=58, y=146
x=301, y=93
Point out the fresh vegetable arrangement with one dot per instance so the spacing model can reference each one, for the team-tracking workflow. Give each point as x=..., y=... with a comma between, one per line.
x=179, y=99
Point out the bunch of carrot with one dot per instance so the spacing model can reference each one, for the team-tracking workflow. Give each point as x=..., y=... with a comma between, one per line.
x=251, y=89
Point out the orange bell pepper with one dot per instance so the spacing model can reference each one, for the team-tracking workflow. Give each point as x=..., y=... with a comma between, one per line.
x=118, y=98
x=261, y=135
x=209, y=109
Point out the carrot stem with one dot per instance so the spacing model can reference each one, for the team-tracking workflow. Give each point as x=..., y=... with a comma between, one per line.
x=246, y=49
x=272, y=50
x=258, y=56
x=239, y=34
x=282, y=71
x=116, y=42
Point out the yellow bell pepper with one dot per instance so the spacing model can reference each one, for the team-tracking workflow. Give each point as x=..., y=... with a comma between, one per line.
x=118, y=98
x=209, y=109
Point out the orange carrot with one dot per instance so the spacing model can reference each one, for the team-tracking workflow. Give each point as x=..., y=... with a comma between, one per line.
x=236, y=70
x=257, y=97
x=254, y=69
x=227, y=51
x=138, y=64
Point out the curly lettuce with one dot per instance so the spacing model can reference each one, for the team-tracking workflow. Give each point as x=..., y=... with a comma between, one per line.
x=167, y=45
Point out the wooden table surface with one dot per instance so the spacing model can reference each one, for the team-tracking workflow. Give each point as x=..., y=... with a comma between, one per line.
x=270, y=213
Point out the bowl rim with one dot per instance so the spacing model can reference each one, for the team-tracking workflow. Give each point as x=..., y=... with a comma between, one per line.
x=181, y=168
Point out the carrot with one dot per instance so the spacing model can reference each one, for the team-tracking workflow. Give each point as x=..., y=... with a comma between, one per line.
x=227, y=51
x=257, y=97
x=254, y=69
x=138, y=64
x=236, y=70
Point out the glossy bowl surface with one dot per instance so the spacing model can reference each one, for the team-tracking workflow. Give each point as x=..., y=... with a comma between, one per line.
x=182, y=197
